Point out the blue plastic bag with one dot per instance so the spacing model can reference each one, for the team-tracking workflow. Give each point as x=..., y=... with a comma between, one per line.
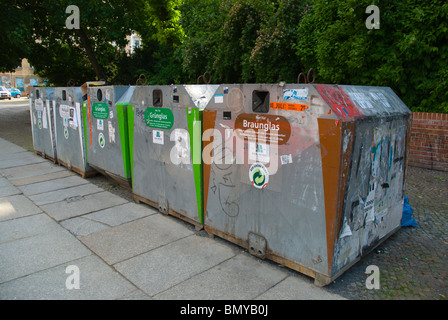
x=406, y=219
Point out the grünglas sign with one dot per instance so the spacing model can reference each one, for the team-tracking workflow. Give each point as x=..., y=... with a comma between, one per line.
x=159, y=118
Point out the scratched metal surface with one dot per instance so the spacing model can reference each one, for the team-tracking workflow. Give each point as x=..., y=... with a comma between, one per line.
x=69, y=128
x=289, y=212
x=288, y=216
x=42, y=120
x=374, y=197
x=110, y=157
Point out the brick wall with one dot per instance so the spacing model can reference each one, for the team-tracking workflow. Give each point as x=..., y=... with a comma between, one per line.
x=428, y=147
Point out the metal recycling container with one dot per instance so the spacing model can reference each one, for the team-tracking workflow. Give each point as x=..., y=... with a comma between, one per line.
x=42, y=106
x=69, y=129
x=310, y=176
x=107, y=131
x=166, y=148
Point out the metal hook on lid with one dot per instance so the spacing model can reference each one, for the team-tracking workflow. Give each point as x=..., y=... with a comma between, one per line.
x=306, y=77
x=206, y=77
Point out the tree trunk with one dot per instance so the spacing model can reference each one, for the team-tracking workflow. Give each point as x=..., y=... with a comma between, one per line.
x=91, y=54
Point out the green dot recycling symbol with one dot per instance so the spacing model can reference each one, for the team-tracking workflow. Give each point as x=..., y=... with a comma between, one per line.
x=258, y=175
x=101, y=140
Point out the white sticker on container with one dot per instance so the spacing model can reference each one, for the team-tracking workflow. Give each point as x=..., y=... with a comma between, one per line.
x=111, y=132
x=74, y=119
x=44, y=120
x=180, y=154
x=100, y=124
x=39, y=104
x=64, y=111
x=286, y=158
x=157, y=136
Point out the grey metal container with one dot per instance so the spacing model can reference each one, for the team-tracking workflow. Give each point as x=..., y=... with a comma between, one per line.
x=69, y=129
x=328, y=191
x=107, y=131
x=167, y=165
x=42, y=107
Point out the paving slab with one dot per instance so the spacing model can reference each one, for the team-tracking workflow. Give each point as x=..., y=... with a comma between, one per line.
x=136, y=295
x=62, y=194
x=121, y=214
x=7, y=147
x=16, y=206
x=42, y=177
x=17, y=155
x=19, y=159
x=97, y=281
x=241, y=277
x=130, y=239
x=26, y=227
x=298, y=287
x=25, y=256
x=81, y=205
x=7, y=188
x=52, y=185
x=169, y=265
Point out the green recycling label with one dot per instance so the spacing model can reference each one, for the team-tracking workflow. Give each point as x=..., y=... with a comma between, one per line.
x=159, y=118
x=100, y=110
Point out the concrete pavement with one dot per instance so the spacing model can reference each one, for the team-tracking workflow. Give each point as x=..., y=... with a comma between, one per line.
x=57, y=228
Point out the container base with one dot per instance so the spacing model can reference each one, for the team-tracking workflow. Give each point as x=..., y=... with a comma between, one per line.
x=84, y=174
x=320, y=279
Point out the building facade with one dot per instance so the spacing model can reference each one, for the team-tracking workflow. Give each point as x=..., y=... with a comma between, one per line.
x=22, y=78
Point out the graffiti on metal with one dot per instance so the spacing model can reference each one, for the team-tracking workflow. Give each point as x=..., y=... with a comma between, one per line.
x=339, y=102
x=160, y=118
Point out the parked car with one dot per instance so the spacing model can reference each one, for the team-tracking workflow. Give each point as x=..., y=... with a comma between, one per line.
x=4, y=93
x=15, y=93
